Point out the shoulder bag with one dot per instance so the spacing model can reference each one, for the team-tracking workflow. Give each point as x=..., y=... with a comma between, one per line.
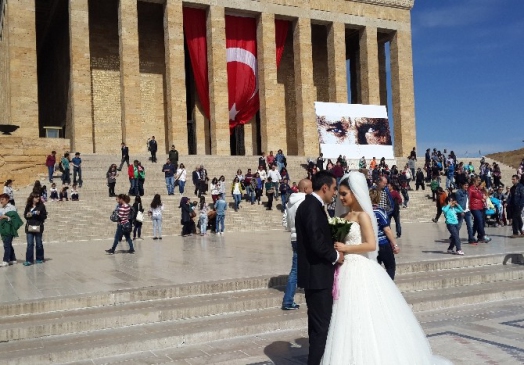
x=33, y=229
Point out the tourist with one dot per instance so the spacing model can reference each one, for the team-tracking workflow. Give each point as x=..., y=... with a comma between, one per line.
x=477, y=201
x=305, y=187
x=463, y=200
x=202, y=221
x=397, y=202
x=169, y=174
x=404, y=190
x=386, y=201
x=50, y=162
x=270, y=159
x=320, y=162
x=236, y=190
x=185, y=211
x=74, y=193
x=516, y=205
x=66, y=177
x=77, y=169
x=53, y=193
x=43, y=194
x=387, y=246
x=451, y=211
x=262, y=173
x=180, y=178
x=125, y=156
x=155, y=212
x=434, y=186
x=411, y=165
x=214, y=188
x=262, y=163
x=442, y=197
x=253, y=186
x=250, y=193
x=63, y=194
x=141, y=178
x=222, y=186
x=270, y=192
x=284, y=174
x=111, y=176
x=35, y=215
x=173, y=156
x=132, y=173
x=220, y=208
x=239, y=175
x=10, y=222
x=259, y=187
x=283, y=190
x=362, y=164
x=419, y=180
x=8, y=189
x=138, y=210
x=124, y=224
x=275, y=178
x=153, y=147
x=413, y=155
x=407, y=173
x=280, y=159
x=338, y=171
x=497, y=175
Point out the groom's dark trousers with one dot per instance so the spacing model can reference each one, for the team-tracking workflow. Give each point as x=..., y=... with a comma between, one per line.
x=316, y=255
x=319, y=308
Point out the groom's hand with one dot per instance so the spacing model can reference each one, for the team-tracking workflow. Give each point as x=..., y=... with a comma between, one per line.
x=340, y=258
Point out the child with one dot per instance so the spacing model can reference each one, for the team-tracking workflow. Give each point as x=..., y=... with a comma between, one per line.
x=74, y=194
x=63, y=194
x=54, y=193
x=294, y=187
x=283, y=190
x=450, y=212
x=203, y=216
x=192, y=214
x=155, y=212
x=43, y=194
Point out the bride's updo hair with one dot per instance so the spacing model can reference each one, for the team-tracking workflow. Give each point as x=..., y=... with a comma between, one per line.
x=345, y=182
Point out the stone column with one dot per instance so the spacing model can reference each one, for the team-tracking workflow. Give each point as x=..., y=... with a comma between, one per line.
x=130, y=77
x=368, y=62
x=23, y=67
x=201, y=130
x=336, y=46
x=217, y=71
x=80, y=77
x=403, y=93
x=175, y=76
x=382, y=73
x=271, y=112
x=307, y=134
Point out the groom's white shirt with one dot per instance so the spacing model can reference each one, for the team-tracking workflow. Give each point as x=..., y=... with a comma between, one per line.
x=323, y=204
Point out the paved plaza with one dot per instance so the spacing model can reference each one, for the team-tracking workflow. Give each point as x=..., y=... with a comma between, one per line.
x=488, y=333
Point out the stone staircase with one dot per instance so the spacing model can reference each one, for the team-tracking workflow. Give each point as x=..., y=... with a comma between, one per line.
x=89, y=218
x=86, y=328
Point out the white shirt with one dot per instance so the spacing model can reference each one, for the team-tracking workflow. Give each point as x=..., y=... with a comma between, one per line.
x=181, y=173
x=274, y=175
x=263, y=174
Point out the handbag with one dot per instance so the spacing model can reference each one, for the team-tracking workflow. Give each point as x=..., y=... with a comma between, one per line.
x=114, y=216
x=127, y=227
x=270, y=191
x=139, y=216
x=33, y=229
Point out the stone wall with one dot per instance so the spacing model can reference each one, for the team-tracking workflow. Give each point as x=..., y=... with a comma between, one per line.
x=105, y=75
x=22, y=159
x=4, y=74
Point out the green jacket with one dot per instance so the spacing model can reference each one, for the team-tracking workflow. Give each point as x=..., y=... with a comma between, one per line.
x=10, y=227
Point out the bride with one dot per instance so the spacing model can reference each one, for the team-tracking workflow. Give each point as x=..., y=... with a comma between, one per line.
x=371, y=322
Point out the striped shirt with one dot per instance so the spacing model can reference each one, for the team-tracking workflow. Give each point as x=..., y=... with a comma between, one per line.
x=123, y=213
x=382, y=222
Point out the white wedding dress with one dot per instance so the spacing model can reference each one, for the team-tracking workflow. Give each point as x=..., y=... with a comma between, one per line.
x=371, y=322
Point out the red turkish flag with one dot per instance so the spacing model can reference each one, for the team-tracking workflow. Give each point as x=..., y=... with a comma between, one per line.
x=241, y=51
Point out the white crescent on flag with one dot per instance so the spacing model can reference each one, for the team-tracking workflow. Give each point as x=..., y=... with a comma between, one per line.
x=243, y=56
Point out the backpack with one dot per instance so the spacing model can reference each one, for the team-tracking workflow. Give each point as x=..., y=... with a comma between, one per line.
x=60, y=166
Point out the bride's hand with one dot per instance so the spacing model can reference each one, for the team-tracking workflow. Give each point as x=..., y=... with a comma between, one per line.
x=339, y=246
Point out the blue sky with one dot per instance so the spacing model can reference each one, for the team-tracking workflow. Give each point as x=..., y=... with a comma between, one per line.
x=468, y=59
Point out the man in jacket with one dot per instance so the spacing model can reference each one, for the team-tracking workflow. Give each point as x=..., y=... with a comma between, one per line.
x=50, y=162
x=295, y=199
x=463, y=201
x=153, y=147
x=125, y=156
x=516, y=204
x=10, y=222
x=173, y=156
x=132, y=173
x=476, y=205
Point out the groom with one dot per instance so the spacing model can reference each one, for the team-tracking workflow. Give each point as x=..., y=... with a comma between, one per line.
x=316, y=261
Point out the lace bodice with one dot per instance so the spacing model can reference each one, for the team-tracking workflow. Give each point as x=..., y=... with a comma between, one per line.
x=354, y=238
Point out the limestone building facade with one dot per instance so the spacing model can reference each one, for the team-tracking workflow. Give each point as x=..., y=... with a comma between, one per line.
x=111, y=70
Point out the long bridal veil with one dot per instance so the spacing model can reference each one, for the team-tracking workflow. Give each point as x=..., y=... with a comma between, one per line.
x=359, y=187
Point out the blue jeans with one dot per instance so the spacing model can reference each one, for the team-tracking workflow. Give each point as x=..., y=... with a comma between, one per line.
x=9, y=252
x=467, y=218
x=31, y=238
x=280, y=166
x=238, y=199
x=133, y=188
x=478, y=223
x=118, y=236
x=455, y=238
x=203, y=223
x=291, y=286
x=77, y=171
x=220, y=223
x=284, y=201
x=181, y=186
x=51, y=171
x=250, y=194
x=66, y=177
x=157, y=226
x=170, y=183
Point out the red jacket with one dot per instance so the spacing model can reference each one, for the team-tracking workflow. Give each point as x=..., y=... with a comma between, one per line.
x=131, y=171
x=476, y=198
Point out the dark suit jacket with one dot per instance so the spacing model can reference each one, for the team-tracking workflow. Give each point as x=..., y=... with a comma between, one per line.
x=314, y=246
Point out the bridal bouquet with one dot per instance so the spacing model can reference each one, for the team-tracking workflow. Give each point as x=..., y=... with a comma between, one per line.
x=340, y=228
